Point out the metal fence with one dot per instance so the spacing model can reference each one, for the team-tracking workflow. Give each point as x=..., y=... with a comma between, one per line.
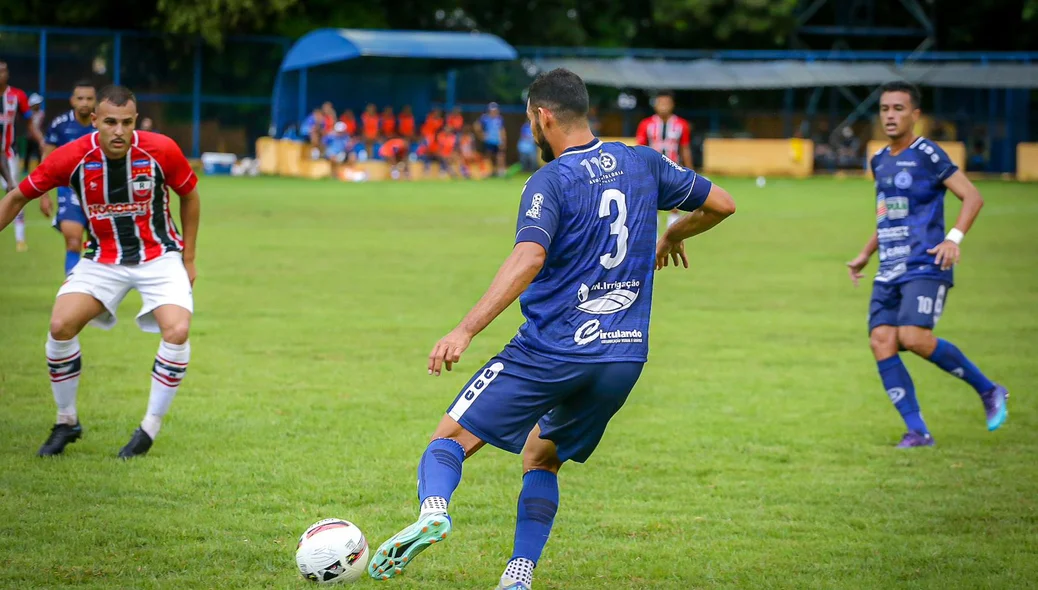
x=207, y=99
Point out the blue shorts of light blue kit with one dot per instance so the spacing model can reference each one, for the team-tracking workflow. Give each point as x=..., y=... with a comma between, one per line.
x=572, y=402
x=69, y=208
x=914, y=303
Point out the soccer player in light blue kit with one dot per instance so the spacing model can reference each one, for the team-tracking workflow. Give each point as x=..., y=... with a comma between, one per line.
x=583, y=262
x=66, y=128
x=491, y=130
x=916, y=258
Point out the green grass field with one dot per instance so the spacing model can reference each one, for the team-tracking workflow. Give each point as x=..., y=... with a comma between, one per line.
x=756, y=452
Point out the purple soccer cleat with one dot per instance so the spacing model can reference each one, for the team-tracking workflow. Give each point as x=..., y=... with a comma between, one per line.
x=995, y=406
x=915, y=439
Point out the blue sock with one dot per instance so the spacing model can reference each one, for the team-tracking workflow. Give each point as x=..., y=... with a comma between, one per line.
x=948, y=357
x=71, y=260
x=439, y=473
x=901, y=390
x=538, y=503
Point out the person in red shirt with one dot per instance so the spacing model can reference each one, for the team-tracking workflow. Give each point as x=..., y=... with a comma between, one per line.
x=455, y=120
x=405, y=124
x=668, y=134
x=328, y=110
x=388, y=123
x=369, y=123
x=13, y=102
x=432, y=125
x=123, y=178
x=394, y=151
x=350, y=121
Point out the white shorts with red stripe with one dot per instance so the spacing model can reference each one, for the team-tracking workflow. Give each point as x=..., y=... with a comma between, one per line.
x=162, y=281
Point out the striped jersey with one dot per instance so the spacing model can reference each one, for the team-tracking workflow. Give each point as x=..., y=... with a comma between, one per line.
x=13, y=102
x=666, y=137
x=126, y=201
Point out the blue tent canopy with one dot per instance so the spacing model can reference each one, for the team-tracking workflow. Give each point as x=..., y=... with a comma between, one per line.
x=389, y=68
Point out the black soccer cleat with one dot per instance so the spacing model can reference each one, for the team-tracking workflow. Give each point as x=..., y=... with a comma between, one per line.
x=138, y=445
x=61, y=435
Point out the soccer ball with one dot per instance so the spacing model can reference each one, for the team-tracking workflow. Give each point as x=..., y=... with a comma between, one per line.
x=332, y=551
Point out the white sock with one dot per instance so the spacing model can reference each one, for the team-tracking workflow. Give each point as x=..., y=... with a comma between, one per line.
x=19, y=227
x=433, y=504
x=672, y=218
x=65, y=364
x=166, y=375
x=520, y=569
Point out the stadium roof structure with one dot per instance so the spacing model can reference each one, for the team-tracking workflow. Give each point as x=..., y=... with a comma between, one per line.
x=713, y=74
x=325, y=46
x=352, y=67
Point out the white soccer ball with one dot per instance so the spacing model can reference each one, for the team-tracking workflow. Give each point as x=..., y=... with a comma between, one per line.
x=332, y=551
x=761, y=181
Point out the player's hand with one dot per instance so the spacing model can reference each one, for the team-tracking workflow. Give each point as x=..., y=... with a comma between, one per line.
x=448, y=350
x=192, y=272
x=667, y=250
x=855, y=267
x=946, y=254
x=46, y=207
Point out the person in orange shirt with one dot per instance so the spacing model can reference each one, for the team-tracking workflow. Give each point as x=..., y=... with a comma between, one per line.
x=405, y=124
x=446, y=142
x=350, y=121
x=395, y=152
x=370, y=127
x=388, y=123
x=328, y=110
x=432, y=125
x=455, y=120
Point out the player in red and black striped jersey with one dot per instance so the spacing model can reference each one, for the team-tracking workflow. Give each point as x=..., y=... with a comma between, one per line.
x=123, y=179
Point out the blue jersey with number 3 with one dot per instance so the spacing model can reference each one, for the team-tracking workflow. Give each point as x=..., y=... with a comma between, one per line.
x=910, y=211
x=594, y=210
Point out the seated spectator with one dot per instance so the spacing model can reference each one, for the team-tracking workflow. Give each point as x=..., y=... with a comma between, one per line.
x=405, y=124
x=388, y=122
x=978, y=159
x=312, y=127
x=350, y=121
x=395, y=151
x=338, y=147
x=455, y=120
x=824, y=153
x=369, y=123
x=468, y=154
x=329, y=116
x=432, y=125
x=527, y=149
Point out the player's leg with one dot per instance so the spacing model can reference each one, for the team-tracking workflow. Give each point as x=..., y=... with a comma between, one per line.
x=535, y=511
x=70, y=220
x=91, y=294
x=166, y=308
x=921, y=308
x=570, y=431
x=883, y=318
x=499, y=405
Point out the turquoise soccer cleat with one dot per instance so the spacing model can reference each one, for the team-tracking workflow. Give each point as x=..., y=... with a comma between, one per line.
x=507, y=583
x=399, y=551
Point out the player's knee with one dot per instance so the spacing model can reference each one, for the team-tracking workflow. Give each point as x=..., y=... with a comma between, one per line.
x=62, y=329
x=918, y=340
x=177, y=333
x=883, y=342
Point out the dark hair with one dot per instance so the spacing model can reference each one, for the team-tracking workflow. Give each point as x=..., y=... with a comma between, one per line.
x=84, y=83
x=899, y=86
x=667, y=93
x=117, y=95
x=562, y=92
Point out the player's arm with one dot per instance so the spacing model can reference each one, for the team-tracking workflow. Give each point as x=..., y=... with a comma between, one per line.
x=641, y=136
x=717, y=207
x=5, y=173
x=10, y=206
x=536, y=226
x=190, y=213
x=854, y=267
x=947, y=252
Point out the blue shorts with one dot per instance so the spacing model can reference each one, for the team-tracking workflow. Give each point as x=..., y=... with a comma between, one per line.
x=69, y=208
x=572, y=402
x=915, y=303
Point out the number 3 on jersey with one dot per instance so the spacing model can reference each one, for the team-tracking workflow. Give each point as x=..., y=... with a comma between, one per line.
x=617, y=228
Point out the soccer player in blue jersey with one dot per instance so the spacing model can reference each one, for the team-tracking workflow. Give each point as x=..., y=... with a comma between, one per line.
x=582, y=267
x=66, y=128
x=916, y=259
